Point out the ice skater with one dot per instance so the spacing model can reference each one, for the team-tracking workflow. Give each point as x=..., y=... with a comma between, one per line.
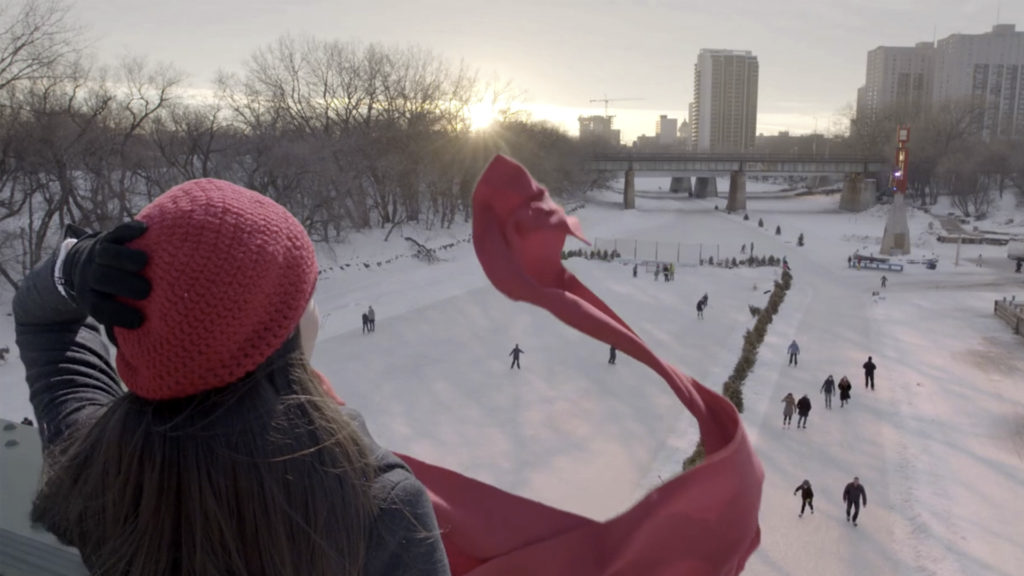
x=634, y=270
x=794, y=351
x=884, y=280
x=853, y=494
x=366, y=322
x=787, y=410
x=806, y=496
x=515, y=357
x=372, y=316
x=700, y=309
x=828, y=389
x=869, y=374
x=803, y=409
x=611, y=355
x=844, y=391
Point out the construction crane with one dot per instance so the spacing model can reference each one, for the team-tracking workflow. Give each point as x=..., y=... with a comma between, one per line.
x=606, y=100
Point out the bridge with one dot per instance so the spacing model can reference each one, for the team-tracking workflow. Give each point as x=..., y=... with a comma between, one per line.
x=858, y=193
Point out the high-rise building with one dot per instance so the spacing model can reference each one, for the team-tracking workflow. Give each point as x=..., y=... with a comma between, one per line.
x=896, y=76
x=987, y=69
x=984, y=69
x=665, y=130
x=723, y=113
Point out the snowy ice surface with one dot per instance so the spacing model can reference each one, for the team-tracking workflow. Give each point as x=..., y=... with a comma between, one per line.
x=939, y=445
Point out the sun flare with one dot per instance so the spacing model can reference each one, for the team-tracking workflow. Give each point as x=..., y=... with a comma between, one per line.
x=481, y=116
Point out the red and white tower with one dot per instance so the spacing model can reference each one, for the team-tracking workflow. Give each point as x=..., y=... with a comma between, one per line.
x=896, y=239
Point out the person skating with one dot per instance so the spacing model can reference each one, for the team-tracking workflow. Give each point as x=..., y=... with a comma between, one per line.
x=844, y=387
x=372, y=316
x=611, y=355
x=803, y=408
x=700, y=308
x=884, y=281
x=806, y=496
x=853, y=494
x=787, y=410
x=869, y=374
x=515, y=356
x=828, y=389
x=366, y=322
x=634, y=270
x=794, y=351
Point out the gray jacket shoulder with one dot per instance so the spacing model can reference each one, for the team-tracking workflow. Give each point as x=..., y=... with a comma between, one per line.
x=406, y=539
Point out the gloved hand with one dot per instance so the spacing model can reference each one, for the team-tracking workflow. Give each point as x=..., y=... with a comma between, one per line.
x=99, y=268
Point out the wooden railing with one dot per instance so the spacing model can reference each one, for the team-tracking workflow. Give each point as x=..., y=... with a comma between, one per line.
x=1012, y=312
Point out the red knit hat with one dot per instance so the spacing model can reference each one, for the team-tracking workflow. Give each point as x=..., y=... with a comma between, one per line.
x=232, y=272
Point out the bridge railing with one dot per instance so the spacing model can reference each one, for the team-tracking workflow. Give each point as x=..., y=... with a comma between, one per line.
x=740, y=156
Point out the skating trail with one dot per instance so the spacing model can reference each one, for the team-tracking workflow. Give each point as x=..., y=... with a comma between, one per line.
x=939, y=444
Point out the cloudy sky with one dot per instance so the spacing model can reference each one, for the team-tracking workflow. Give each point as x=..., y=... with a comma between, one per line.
x=563, y=53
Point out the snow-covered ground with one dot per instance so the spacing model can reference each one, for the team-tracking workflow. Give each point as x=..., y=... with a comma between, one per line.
x=939, y=445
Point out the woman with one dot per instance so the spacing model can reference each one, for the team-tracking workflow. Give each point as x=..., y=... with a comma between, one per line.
x=787, y=410
x=227, y=454
x=844, y=387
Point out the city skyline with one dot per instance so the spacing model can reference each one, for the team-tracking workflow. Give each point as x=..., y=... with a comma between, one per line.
x=564, y=53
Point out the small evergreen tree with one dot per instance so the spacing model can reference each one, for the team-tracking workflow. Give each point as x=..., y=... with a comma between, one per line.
x=746, y=216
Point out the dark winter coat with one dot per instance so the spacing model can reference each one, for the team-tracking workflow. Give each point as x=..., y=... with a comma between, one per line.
x=869, y=368
x=516, y=352
x=855, y=492
x=844, y=389
x=806, y=493
x=803, y=406
x=829, y=387
x=71, y=381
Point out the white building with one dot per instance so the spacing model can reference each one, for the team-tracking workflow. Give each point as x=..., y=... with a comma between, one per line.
x=896, y=76
x=723, y=113
x=665, y=130
x=986, y=67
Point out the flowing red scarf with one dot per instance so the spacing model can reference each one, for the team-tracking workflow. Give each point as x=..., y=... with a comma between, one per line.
x=702, y=522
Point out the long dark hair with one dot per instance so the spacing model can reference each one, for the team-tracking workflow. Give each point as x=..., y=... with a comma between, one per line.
x=262, y=477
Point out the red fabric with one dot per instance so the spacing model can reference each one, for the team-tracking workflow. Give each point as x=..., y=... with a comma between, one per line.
x=703, y=522
x=220, y=257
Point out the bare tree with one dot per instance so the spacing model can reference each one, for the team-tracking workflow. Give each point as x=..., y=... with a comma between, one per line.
x=35, y=36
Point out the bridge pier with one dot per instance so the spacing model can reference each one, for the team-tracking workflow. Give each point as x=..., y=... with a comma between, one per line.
x=681, y=184
x=858, y=193
x=737, y=192
x=629, y=190
x=705, y=187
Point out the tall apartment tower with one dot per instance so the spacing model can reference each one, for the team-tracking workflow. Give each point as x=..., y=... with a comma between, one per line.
x=723, y=113
x=897, y=76
x=986, y=68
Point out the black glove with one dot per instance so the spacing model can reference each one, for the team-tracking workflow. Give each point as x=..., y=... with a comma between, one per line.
x=98, y=269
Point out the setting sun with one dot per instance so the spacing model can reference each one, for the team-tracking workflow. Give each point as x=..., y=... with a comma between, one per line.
x=481, y=116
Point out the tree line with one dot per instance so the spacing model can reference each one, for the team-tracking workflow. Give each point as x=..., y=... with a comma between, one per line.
x=346, y=135
x=951, y=152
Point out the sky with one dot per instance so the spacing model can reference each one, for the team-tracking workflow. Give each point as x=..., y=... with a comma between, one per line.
x=939, y=443
x=565, y=53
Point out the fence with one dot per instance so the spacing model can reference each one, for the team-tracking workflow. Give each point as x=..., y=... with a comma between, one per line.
x=682, y=253
x=1011, y=312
